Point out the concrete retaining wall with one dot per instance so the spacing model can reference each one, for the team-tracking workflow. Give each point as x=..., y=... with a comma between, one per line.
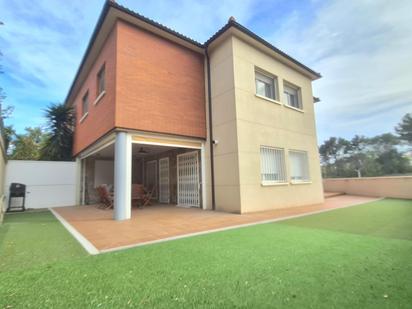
x=396, y=186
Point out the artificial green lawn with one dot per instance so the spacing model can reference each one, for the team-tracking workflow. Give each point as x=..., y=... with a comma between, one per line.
x=358, y=257
x=31, y=239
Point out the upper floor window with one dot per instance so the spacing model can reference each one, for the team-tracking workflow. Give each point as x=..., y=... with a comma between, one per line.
x=299, y=166
x=85, y=104
x=292, y=95
x=265, y=85
x=101, y=82
x=272, y=165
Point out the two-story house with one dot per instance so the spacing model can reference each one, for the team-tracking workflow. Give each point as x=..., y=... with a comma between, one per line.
x=227, y=125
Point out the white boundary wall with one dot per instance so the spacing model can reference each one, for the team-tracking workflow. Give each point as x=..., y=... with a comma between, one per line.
x=48, y=183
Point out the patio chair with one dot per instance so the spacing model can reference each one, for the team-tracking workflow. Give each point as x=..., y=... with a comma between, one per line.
x=148, y=196
x=138, y=194
x=141, y=196
x=106, y=198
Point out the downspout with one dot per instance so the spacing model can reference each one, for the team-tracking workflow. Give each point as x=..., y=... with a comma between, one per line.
x=209, y=97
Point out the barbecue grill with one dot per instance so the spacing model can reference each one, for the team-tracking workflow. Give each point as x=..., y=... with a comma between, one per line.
x=17, y=197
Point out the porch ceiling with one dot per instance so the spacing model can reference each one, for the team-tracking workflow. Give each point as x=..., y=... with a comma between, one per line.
x=149, y=149
x=108, y=152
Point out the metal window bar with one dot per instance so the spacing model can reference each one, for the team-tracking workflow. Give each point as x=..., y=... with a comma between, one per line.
x=273, y=167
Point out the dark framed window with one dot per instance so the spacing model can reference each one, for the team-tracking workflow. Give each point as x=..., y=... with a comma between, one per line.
x=85, y=104
x=265, y=85
x=292, y=95
x=101, y=80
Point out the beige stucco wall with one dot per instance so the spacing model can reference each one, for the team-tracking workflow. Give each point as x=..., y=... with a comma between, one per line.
x=243, y=122
x=397, y=187
x=206, y=163
x=226, y=162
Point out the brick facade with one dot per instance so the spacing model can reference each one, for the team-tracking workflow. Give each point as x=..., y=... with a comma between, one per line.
x=160, y=84
x=101, y=116
x=152, y=84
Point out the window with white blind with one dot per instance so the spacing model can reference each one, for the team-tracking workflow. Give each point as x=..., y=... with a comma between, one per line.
x=299, y=166
x=292, y=96
x=272, y=165
x=265, y=85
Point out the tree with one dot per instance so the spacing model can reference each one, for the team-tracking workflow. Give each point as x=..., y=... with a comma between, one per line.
x=329, y=150
x=363, y=156
x=371, y=167
x=357, y=154
x=27, y=146
x=5, y=111
x=9, y=136
x=384, y=142
x=59, y=141
x=404, y=129
x=393, y=162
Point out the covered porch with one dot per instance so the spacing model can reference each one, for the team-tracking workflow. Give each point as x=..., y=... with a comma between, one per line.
x=161, y=222
x=170, y=169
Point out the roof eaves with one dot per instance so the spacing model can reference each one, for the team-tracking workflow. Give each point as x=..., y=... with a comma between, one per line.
x=218, y=33
x=154, y=23
x=235, y=24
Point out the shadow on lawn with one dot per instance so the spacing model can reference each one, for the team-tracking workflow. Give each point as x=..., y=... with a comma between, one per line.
x=388, y=218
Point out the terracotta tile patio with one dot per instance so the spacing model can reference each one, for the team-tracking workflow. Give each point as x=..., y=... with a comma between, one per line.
x=157, y=222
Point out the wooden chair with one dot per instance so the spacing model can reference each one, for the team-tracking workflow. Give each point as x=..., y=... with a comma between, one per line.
x=106, y=198
x=148, y=196
x=140, y=195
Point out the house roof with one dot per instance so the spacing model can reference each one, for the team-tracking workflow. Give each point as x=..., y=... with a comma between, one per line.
x=233, y=23
x=111, y=4
x=152, y=22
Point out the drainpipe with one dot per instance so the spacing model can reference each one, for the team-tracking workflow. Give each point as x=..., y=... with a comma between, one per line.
x=212, y=164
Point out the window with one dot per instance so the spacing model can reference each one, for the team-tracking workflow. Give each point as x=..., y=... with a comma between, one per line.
x=292, y=95
x=85, y=104
x=299, y=166
x=272, y=165
x=265, y=85
x=101, y=86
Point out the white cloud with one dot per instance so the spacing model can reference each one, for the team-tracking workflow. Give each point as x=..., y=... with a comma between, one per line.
x=363, y=50
x=196, y=19
x=42, y=43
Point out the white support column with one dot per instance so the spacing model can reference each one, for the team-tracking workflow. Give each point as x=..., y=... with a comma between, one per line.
x=122, y=176
x=79, y=181
x=83, y=196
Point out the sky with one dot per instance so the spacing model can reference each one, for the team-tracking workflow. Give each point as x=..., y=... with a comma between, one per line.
x=362, y=48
